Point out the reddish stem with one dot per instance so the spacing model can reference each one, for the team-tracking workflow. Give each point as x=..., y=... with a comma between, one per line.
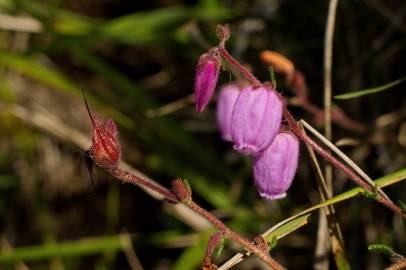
x=236, y=237
x=170, y=196
x=130, y=178
x=245, y=72
x=335, y=162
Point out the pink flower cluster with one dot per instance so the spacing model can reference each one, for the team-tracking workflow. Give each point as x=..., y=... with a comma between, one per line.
x=251, y=118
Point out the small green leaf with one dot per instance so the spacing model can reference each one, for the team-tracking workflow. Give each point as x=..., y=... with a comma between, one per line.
x=381, y=248
x=286, y=228
x=371, y=90
x=81, y=247
x=192, y=256
x=220, y=247
x=6, y=94
x=187, y=184
x=273, y=243
x=272, y=74
x=370, y=195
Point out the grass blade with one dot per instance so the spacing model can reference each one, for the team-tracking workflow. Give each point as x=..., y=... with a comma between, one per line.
x=81, y=247
x=371, y=90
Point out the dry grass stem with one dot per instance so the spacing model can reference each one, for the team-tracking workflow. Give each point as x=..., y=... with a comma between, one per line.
x=343, y=156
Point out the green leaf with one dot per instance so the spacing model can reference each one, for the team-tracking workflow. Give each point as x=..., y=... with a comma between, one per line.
x=217, y=196
x=371, y=90
x=192, y=257
x=81, y=247
x=31, y=68
x=273, y=243
x=285, y=228
x=220, y=247
x=272, y=74
x=142, y=27
x=370, y=195
x=58, y=19
x=69, y=23
x=381, y=248
x=402, y=205
x=6, y=94
x=211, y=10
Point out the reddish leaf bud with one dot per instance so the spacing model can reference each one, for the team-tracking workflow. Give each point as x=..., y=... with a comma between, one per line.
x=225, y=105
x=207, y=73
x=105, y=149
x=182, y=190
x=275, y=169
x=256, y=120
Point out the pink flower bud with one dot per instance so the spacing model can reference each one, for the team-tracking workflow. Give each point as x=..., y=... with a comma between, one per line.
x=207, y=73
x=275, y=169
x=225, y=105
x=105, y=149
x=256, y=120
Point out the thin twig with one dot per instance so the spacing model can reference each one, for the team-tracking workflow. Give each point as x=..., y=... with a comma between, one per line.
x=20, y=24
x=328, y=62
x=323, y=246
x=397, y=266
x=343, y=156
x=328, y=215
x=5, y=247
x=170, y=107
x=129, y=252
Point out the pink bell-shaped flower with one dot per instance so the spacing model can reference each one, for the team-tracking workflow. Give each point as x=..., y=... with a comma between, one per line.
x=225, y=105
x=207, y=73
x=256, y=120
x=275, y=169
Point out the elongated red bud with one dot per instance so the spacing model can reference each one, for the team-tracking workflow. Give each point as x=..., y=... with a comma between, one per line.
x=105, y=149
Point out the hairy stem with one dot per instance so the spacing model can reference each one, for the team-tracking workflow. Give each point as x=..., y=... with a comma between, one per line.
x=235, y=236
x=127, y=177
x=245, y=72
